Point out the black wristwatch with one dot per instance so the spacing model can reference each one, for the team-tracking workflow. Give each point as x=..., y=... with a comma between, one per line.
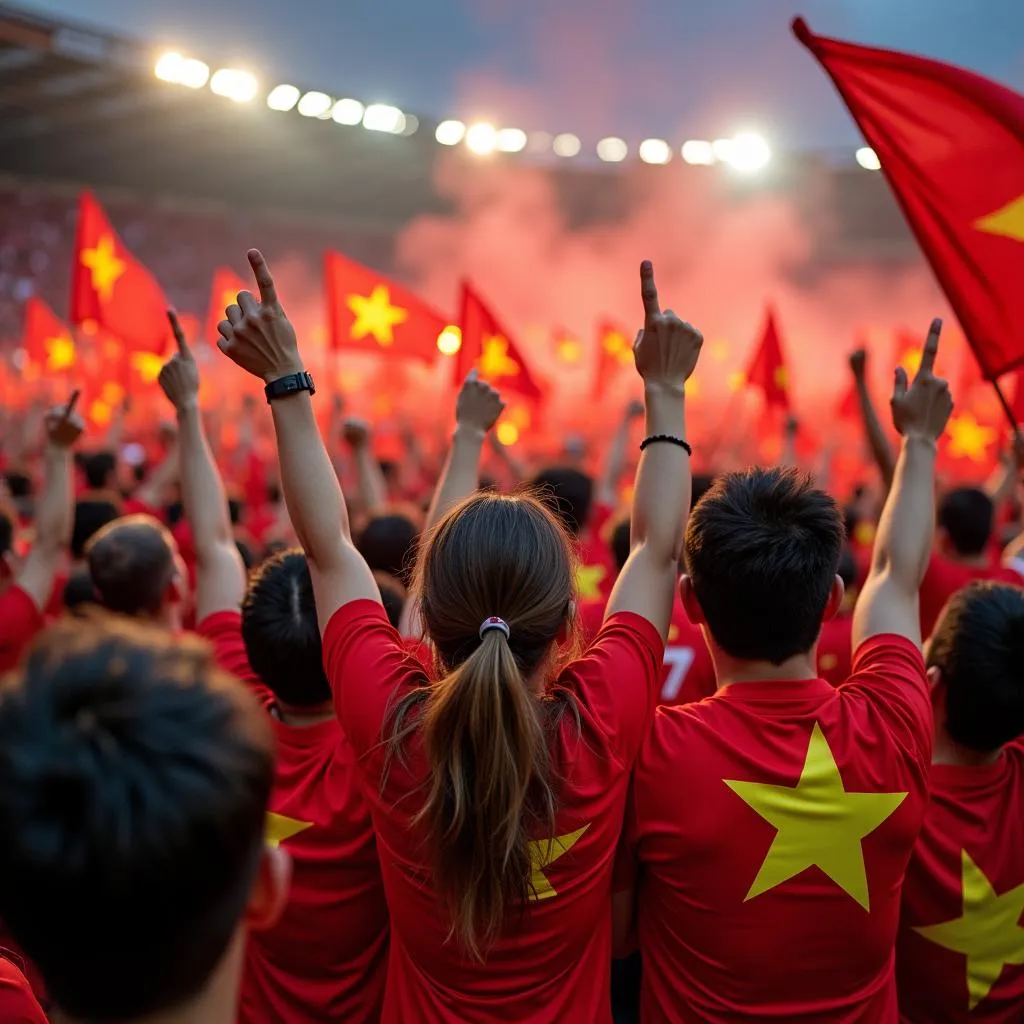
x=289, y=385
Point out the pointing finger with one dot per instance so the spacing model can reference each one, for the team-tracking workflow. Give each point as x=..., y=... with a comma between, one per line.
x=72, y=402
x=268, y=293
x=179, y=335
x=472, y=375
x=931, y=348
x=648, y=291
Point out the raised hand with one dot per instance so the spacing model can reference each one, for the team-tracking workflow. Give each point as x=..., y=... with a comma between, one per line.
x=63, y=426
x=859, y=362
x=257, y=335
x=667, y=349
x=479, y=405
x=179, y=377
x=922, y=408
x=356, y=433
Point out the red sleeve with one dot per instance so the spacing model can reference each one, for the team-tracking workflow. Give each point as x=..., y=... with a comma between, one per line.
x=20, y=621
x=889, y=673
x=618, y=680
x=368, y=666
x=17, y=1003
x=224, y=631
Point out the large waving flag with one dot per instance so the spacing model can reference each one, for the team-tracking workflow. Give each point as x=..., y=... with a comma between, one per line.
x=614, y=353
x=951, y=145
x=112, y=288
x=487, y=346
x=369, y=313
x=47, y=341
x=224, y=292
x=767, y=368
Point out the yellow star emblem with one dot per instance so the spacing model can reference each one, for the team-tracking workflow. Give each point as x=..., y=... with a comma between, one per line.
x=1008, y=221
x=864, y=533
x=781, y=377
x=112, y=393
x=60, y=353
x=105, y=267
x=147, y=365
x=737, y=380
x=589, y=579
x=278, y=828
x=228, y=298
x=617, y=345
x=693, y=388
x=494, y=359
x=827, y=662
x=543, y=853
x=569, y=350
x=100, y=413
x=911, y=361
x=375, y=315
x=989, y=932
x=968, y=438
x=719, y=351
x=817, y=822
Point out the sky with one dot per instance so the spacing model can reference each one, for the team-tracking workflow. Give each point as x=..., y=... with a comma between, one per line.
x=669, y=68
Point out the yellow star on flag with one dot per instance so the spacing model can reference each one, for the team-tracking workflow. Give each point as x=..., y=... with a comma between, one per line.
x=817, y=822
x=278, y=828
x=1008, y=221
x=617, y=345
x=969, y=439
x=375, y=315
x=100, y=413
x=112, y=393
x=105, y=267
x=494, y=359
x=147, y=365
x=989, y=932
x=60, y=353
x=692, y=388
x=228, y=298
x=719, y=351
x=589, y=579
x=911, y=361
x=737, y=380
x=781, y=377
x=569, y=350
x=543, y=853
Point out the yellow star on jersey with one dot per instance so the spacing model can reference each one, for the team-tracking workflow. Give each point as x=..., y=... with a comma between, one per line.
x=589, y=579
x=495, y=361
x=375, y=315
x=1008, y=221
x=60, y=353
x=543, y=853
x=278, y=828
x=105, y=267
x=989, y=932
x=969, y=439
x=817, y=822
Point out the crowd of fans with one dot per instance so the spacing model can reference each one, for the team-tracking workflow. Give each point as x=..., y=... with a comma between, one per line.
x=369, y=742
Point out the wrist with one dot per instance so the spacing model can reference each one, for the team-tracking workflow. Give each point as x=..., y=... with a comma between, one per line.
x=284, y=370
x=664, y=389
x=187, y=408
x=467, y=433
x=919, y=439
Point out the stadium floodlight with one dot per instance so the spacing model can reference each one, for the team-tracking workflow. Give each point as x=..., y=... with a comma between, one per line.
x=283, y=97
x=168, y=66
x=348, y=111
x=655, y=151
x=233, y=84
x=315, y=104
x=748, y=153
x=868, y=159
x=450, y=133
x=612, y=150
x=566, y=145
x=721, y=149
x=538, y=142
x=380, y=117
x=449, y=341
x=481, y=138
x=193, y=73
x=698, y=151
x=511, y=140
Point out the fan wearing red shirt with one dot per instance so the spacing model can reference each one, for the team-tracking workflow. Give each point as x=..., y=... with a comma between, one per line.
x=960, y=955
x=497, y=792
x=18, y=1004
x=325, y=958
x=772, y=822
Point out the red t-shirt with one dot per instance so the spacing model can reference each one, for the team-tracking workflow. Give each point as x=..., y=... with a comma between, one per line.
x=18, y=1005
x=835, y=654
x=596, y=572
x=326, y=958
x=772, y=824
x=960, y=955
x=553, y=963
x=944, y=578
x=20, y=621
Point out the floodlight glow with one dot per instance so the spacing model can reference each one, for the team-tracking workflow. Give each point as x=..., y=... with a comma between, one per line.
x=538, y=142
x=481, y=138
x=315, y=104
x=511, y=140
x=168, y=66
x=233, y=84
x=380, y=117
x=193, y=74
x=749, y=153
x=612, y=150
x=655, y=151
x=348, y=111
x=721, y=149
x=566, y=145
x=450, y=133
x=283, y=97
x=868, y=159
x=698, y=151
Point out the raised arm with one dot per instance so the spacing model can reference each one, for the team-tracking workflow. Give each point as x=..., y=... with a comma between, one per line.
x=889, y=601
x=220, y=574
x=666, y=353
x=373, y=488
x=258, y=337
x=55, y=513
x=881, y=452
x=615, y=463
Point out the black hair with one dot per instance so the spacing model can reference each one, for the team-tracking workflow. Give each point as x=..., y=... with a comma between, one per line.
x=90, y=517
x=762, y=549
x=569, y=492
x=6, y=533
x=18, y=484
x=620, y=542
x=280, y=630
x=967, y=514
x=235, y=509
x=392, y=596
x=246, y=554
x=978, y=645
x=388, y=544
x=78, y=591
x=99, y=469
x=131, y=562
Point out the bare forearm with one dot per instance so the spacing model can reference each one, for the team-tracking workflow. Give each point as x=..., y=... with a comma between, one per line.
x=373, y=488
x=202, y=489
x=460, y=476
x=881, y=451
x=54, y=514
x=615, y=464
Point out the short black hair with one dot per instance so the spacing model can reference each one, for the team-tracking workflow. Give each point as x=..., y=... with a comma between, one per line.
x=967, y=514
x=388, y=544
x=620, y=542
x=569, y=492
x=392, y=596
x=6, y=533
x=19, y=484
x=131, y=562
x=762, y=549
x=134, y=779
x=90, y=517
x=280, y=630
x=79, y=592
x=98, y=468
x=235, y=509
x=978, y=645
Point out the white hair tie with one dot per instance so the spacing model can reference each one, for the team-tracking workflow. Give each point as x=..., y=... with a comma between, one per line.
x=495, y=623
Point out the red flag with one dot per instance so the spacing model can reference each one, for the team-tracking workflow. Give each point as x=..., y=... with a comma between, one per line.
x=112, y=288
x=1017, y=402
x=614, y=351
x=951, y=145
x=47, y=340
x=226, y=286
x=369, y=313
x=848, y=407
x=767, y=369
x=489, y=347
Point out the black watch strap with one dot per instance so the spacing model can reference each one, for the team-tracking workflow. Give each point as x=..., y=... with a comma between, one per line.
x=289, y=385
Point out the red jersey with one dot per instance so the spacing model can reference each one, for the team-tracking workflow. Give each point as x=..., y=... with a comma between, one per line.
x=17, y=1003
x=773, y=823
x=20, y=621
x=326, y=958
x=960, y=955
x=944, y=578
x=553, y=962
x=835, y=655
x=596, y=572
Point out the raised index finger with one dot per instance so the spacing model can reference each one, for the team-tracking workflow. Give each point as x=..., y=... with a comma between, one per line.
x=179, y=335
x=648, y=290
x=931, y=347
x=268, y=293
x=72, y=402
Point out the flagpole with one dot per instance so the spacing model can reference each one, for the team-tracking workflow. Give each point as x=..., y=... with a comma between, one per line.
x=1014, y=425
